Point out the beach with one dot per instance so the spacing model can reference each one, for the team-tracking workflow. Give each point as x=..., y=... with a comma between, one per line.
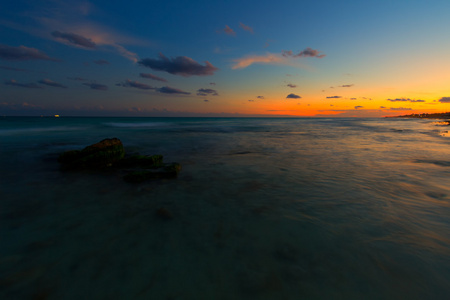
x=263, y=208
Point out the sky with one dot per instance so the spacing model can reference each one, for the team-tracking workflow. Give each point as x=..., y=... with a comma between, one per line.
x=224, y=58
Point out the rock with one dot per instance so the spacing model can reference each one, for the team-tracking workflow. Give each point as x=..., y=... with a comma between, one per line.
x=97, y=156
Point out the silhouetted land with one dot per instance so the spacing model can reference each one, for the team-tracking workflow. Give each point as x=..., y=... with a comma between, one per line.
x=445, y=115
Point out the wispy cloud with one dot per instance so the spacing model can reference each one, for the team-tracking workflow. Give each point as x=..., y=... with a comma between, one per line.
x=74, y=39
x=153, y=77
x=245, y=27
x=22, y=53
x=52, y=83
x=170, y=90
x=346, y=85
x=359, y=107
x=96, y=86
x=269, y=58
x=260, y=97
x=444, y=100
x=77, y=78
x=334, y=97
x=291, y=85
x=13, y=69
x=207, y=92
x=13, y=82
x=135, y=84
x=293, y=96
x=405, y=100
x=308, y=52
x=400, y=108
x=181, y=65
x=229, y=31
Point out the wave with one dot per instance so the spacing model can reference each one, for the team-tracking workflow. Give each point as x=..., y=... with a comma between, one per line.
x=15, y=131
x=136, y=125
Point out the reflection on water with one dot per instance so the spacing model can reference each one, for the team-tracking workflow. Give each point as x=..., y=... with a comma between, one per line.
x=263, y=209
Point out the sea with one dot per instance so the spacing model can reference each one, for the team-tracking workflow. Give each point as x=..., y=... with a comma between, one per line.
x=263, y=208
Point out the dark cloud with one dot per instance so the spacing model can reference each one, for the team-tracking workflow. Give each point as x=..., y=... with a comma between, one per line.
x=12, y=69
x=101, y=62
x=308, y=52
x=353, y=98
x=74, y=39
x=444, y=100
x=359, y=107
x=212, y=83
x=22, y=53
x=347, y=85
x=135, y=84
x=404, y=100
x=334, y=97
x=206, y=100
x=52, y=83
x=169, y=90
x=207, y=92
x=251, y=100
x=400, y=108
x=245, y=27
x=181, y=65
x=96, y=86
x=382, y=107
x=151, y=76
x=77, y=78
x=260, y=97
x=291, y=85
x=24, y=85
x=293, y=96
x=229, y=31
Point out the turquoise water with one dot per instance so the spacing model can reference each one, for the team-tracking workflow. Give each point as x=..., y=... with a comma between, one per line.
x=263, y=209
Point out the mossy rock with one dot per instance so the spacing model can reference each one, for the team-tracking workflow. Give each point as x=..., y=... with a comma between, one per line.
x=142, y=161
x=97, y=156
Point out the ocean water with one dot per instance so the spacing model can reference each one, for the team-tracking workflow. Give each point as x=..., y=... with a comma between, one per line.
x=263, y=208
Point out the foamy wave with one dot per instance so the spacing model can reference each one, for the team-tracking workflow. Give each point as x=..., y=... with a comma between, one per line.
x=38, y=130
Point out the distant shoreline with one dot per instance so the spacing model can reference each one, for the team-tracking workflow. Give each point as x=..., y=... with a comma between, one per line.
x=445, y=115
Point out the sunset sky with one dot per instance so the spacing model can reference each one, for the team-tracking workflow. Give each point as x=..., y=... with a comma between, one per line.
x=227, y=58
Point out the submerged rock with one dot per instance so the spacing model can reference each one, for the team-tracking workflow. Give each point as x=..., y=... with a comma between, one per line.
x=97, y=156
x=109, y=153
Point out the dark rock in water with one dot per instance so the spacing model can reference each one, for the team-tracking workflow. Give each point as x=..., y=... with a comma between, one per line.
x=97, y=156
x=109, y=153
x=167, y=171
x=163, y=213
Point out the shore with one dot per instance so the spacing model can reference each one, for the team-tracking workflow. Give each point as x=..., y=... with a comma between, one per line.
x=445, y=115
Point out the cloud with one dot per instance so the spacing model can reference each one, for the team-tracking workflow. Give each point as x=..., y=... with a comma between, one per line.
x=400, y=108
x=269, y=58
x=74, y=39
x=382, y=107
x=260, y=97
x=101, y=62
x=229, y=31
x=291, y=85
x=206, y=92
x=24, y=85
x=52, y=83
x=96, y=86
x=359, y=107
x=251, y=100
x=169, y=90
x=293, y=96
x=151, y=76
x=212, y=83
x=135, y=84
x=206, y=100
x=181, y=65
x=444, y=100
x=353, y=98
x=245, y=27
x=347, y=85
x=308, y=52
x=22, y=53
x=404, y=100
x=334, y=97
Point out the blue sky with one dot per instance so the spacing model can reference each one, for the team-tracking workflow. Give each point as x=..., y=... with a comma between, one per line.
x=352, y=58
